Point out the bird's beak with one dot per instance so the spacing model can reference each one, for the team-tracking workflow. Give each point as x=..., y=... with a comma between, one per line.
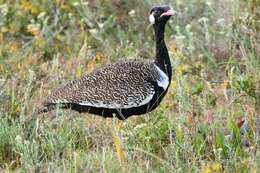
x=169, y=13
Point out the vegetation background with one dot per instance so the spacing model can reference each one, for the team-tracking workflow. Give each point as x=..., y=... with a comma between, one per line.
x=209, y=121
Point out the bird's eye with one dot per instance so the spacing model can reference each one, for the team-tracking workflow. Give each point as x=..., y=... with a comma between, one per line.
x=156, y=13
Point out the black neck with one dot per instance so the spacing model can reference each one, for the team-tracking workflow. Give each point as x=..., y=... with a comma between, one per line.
x=162, y=57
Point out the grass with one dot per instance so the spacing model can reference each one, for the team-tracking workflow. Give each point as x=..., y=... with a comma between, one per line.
x=209, y=121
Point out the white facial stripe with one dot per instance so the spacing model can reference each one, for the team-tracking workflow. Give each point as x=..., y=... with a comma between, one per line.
x=151, y=19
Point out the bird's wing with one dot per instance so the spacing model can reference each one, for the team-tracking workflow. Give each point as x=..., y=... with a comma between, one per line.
x=121, y=85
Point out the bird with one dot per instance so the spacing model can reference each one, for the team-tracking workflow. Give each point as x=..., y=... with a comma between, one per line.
x=124, y=88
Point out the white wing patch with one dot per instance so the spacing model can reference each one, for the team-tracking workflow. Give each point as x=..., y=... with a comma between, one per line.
x=164, y=81
x=100, y=104
x=151, y=19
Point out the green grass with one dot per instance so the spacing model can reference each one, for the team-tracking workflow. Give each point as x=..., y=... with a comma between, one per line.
x=214, y=48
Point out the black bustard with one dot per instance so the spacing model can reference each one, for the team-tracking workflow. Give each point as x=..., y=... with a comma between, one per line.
x=124, y=88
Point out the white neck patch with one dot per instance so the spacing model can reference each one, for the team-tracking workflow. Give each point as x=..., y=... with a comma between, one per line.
x=164, y=81
x=151, y=19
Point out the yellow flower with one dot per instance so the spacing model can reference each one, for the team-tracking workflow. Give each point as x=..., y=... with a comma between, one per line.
x=207, y=170
x=79, y=72
x=174, y=84
x=99, y=56
x=34, y=29
x=212, y=168
x=182, y=69
x=254, y=170
x=226, y=84
x=91, y=65
x=65, y=7
x=26, y=6
x=35, y=11
x=29, y=7
x=60, y=37
x=40, y=42
x=18, y=109
x=4, y=29
x=173, y=47
x=215, y=167
x=14, y=47
x=172, y=89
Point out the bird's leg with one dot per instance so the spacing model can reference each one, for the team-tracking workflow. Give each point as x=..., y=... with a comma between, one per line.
x=117, y=140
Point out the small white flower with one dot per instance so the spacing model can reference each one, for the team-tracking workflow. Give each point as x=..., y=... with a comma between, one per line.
x=4, y=9
x=132, y=13
x=34, y=28
x=139, y=126
x=148, y=137
x=19, y=139
x=85, y=3
x=181, y=37
x=188, y=27
x=208, y=3
x=220, y=150
x=191, y=48
x=203, y=20
x=26, y=142
x=76, y=4
x=41, y=15
x=100, y=25
x=93, y=31
x=70, y=15
x=32, y=21
x=220, y=21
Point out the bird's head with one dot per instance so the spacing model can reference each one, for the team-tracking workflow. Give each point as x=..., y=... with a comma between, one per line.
x=161, y=14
